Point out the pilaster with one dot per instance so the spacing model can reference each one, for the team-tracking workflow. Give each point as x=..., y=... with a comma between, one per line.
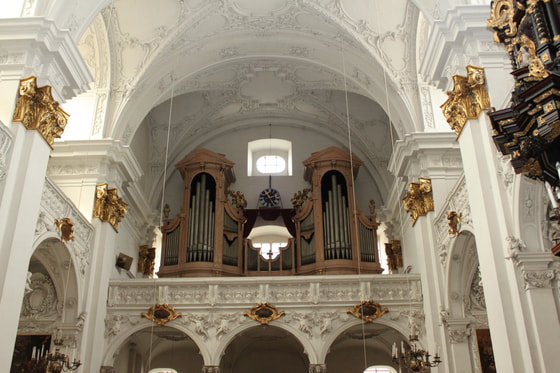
x=434, y=156
x=460, y=355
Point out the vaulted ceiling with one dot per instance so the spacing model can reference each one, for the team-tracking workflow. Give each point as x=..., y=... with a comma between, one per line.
x=329, y=67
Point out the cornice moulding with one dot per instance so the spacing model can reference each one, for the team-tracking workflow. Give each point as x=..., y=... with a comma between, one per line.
x=464, y=25
x=419, y=146
x=109, y=151
x=42, y=37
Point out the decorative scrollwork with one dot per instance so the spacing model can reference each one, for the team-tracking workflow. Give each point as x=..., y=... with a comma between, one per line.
x=419, y=199
x=368, y=310
x=161, y=314
x=264, y=313
x=467, y=99
x=109, y=207
x=37, y=110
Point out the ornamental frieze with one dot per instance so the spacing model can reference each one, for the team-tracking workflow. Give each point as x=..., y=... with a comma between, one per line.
x=37, y=110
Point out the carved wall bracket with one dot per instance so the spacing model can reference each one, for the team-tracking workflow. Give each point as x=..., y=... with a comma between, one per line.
x=37, y=110
x=161, y=314
x=454, y=222
x=109, y=207
x=419, y=199
x=264, y=313
x=368, y=310
x=467, y=100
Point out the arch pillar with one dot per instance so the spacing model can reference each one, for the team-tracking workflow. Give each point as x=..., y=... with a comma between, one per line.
x=459, y=333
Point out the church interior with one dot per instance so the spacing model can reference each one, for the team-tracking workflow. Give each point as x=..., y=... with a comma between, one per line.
x=241, y=186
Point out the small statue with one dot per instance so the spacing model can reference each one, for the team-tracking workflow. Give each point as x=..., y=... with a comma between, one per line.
x=454, y=221
x=300, y=197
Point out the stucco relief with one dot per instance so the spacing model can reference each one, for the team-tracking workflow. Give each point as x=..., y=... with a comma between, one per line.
x=458, y=201
x=41, y=302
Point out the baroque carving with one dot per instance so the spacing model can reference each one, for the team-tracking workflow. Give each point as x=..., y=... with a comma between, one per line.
x=238, y=199
x=454, y=222
x=264, y=313
x=467, y=99
x=146, y=260
x=5, y=143
x=66, y=228
x=37, y=110
x=109, y=207
x=459, y=335
x=161, y=314
x=300, y=197
x=538, y=279
x=367, y=311
x=41, y=300
x=419, y=199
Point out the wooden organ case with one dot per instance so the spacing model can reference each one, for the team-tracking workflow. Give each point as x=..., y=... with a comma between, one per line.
x=333, y=237
x=206, y=237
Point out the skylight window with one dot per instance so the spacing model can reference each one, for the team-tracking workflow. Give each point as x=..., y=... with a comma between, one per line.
x=271, y=164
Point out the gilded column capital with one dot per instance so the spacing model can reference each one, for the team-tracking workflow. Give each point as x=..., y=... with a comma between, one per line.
x=468, y=98
x=419, y=199
x=37, y=110
x=109, y=207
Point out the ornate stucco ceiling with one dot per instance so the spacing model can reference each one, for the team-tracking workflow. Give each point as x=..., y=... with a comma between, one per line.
x=323, y=65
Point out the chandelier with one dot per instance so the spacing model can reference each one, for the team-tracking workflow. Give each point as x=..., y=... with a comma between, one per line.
x=414, y=359
x=54, y=362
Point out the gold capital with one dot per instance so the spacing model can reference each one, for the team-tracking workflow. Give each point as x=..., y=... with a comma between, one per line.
x=419, y=199
x=37, y=110
x=109, y=207
x=467, y=99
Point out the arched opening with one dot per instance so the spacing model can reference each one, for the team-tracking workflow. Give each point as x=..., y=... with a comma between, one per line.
x=362, y=347
x=158, y=349
x=264, y=348
x=50, y=303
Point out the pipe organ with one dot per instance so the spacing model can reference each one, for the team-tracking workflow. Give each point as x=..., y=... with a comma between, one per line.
x=206, y=237
x=332, y=235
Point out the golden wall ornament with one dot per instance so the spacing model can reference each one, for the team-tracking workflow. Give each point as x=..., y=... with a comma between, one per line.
x=391, y=258
x=368, y=310
x=37, y=110
x=238, y=199
x=419, y=199
x=264, y=313
x=467, y=100
x=300, y=197
x=109, y=207
x=454, y=222
x=66, y=228
x=161, y=314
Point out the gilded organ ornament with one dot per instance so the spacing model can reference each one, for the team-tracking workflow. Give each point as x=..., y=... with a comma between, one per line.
x=264, y=313
x=419, y=199
x=300, y=197
x=66, y=228
x=467, y=100
x=109, y=207
x=367, y=311
x=238, y=199
x=161, y=314
x=37, y=110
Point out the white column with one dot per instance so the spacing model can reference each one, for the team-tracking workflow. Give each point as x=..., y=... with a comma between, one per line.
x=19, y=209
x=515, y=343
x=24, y=42
x=460, y=354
